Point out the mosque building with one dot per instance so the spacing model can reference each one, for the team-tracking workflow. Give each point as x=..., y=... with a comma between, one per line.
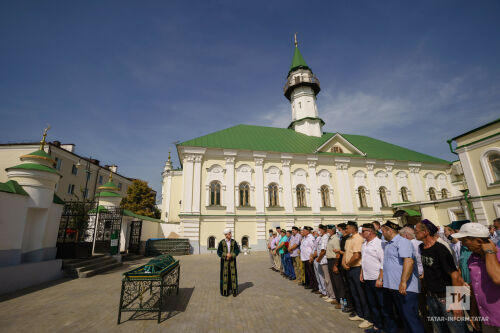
x=253, y=178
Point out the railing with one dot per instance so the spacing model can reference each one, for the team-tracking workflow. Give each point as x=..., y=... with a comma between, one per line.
x=300, y=79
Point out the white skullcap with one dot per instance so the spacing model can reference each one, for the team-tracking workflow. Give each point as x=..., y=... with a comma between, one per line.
x=226, y=231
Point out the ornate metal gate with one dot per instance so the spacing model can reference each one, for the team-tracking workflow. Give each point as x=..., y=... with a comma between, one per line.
x=76, y=231
x=109, y=222
x=134, y=244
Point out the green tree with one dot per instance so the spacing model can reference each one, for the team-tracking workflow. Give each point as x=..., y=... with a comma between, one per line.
x=141, y=199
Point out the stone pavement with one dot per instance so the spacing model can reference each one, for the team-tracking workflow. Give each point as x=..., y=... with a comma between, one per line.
x=266, y=303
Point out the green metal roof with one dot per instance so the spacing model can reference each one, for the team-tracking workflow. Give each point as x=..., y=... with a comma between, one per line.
x=127, y=212
x=58, y=200
x=108, y=194
x=476, y=129
x=34, y=166
x=40, y=153
x=109, y=186
x=297, y=61
x=12, y=186
x=272, y=139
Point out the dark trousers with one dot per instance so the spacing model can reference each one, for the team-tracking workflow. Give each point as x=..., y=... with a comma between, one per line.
x=437, y=308
x=407, y=306
x=310, y=277
x=337, y=282
x=358, y=294
x=289, y=272
x=375, y=297
x=345, y=279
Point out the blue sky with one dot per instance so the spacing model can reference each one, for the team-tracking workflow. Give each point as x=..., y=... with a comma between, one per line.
x=123, y=80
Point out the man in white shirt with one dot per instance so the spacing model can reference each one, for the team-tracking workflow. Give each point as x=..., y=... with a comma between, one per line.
x=372, y=273
x=307, y=247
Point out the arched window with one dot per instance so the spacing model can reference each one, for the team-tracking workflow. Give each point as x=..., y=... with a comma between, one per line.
x=301, y=195
x=432, y=193
x=273, y=195
x=404, y=194
x=211, y=242
x=494, y=163
x=244, y=194
x=383, y=197
x=244, y=241
x=362, y=197
x=325, y=196
x=214, y=193
x=444, y=194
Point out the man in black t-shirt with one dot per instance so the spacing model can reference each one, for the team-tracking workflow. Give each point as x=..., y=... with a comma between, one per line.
x=439, y=272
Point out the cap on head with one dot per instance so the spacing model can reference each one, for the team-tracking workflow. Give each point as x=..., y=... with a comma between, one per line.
x=472, y=229
x=295, y=228
x=456, y=225
x=352, y=224
x=341, y=225
x=227, y=231
x=322, y=227
x=308, y=228
x=392, y=225
x=368, y=226
x=331, y=226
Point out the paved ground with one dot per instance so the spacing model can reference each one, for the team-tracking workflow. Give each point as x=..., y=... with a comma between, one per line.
x=267, y=303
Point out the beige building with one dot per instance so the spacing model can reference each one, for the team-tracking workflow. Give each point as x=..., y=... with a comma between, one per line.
x=479, y=154
x=78, y=172
x=253, y=178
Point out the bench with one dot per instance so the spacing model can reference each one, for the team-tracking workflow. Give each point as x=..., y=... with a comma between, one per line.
x=145, y=287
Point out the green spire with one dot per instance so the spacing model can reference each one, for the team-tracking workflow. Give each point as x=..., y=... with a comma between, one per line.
x=297, y=61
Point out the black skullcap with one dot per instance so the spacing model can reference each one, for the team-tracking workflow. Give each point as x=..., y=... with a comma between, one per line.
x=392, y=225
x=331, y=226
x=352, y=223
x=308, y=228
x=341, y=225
x=368, y=226
x=295, y=228
x=322, y=226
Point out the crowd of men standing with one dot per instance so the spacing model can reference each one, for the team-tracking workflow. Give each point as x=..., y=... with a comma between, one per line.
x=390, y=277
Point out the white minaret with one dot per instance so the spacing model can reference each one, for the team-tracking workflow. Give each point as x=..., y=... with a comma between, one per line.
x=301, y=89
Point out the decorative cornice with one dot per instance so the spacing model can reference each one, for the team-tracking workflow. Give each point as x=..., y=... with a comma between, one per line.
x=259, y=161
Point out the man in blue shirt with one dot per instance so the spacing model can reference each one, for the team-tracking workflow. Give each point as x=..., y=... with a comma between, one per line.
x=400, y=279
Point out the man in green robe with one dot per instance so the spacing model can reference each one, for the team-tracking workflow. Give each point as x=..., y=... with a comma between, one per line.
x=227, y=251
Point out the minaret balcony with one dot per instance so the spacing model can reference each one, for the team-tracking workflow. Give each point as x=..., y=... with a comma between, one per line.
x=294, y=82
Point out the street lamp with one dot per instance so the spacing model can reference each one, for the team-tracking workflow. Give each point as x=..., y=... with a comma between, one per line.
x=87, y=175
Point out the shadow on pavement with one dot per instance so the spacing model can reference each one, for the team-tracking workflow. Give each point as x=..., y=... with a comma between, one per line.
x=28, y=290
x=173, y=305
x=243, y=286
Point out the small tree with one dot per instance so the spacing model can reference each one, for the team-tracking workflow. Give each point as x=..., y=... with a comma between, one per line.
x=141, y=199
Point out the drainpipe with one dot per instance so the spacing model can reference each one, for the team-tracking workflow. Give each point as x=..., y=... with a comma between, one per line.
x=451, y=148
x=469, y=205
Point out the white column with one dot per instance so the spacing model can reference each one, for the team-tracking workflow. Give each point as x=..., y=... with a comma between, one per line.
x=416, y=183
x=315, y=199
x=187, y=175
x=197, y=184
x=373, y=188
x=259, y=186
x=392, y=185
x=344, y=188
x=166, y=195
x=287, y=187
x=230, y=184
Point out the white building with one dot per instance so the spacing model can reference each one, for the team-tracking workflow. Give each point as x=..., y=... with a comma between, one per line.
x=252, y=178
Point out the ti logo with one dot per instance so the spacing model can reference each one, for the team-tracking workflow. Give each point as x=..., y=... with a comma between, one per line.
x=457, y=298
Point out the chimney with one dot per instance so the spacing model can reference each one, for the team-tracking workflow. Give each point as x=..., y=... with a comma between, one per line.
x=69, y=147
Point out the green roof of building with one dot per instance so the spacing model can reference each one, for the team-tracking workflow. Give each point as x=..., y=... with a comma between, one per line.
x=34, y=166
x=58, y=200
x=272, y=139
x=127, y=212
x=108, y=194
x=297, y=61
x=109, y=186
x=12, y=186
x=39, y=153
